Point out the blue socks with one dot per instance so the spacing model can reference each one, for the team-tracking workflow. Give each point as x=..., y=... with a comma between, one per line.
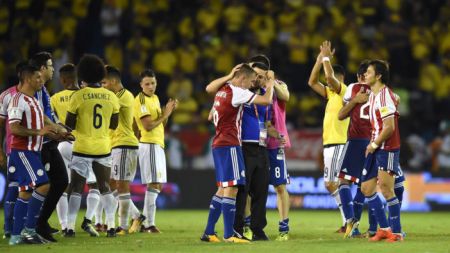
x=358, y=203
x=228, y=211
x=394, y=214
x=34, y=208
x=283, y=226
x=376, y=207
x=10, y=200
x=346, y=200
x=20, y=213
x=247, y=221
x=215, y=209
x=399, y=193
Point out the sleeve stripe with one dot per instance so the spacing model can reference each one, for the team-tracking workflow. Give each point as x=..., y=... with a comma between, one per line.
x=141, y=98
x=14, y=120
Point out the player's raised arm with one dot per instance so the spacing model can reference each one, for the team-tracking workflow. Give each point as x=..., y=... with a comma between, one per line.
x=215, y=85
x=327, y=53
x=280, y=88
x=360, y=98
x=313, y=81
x=266, y=99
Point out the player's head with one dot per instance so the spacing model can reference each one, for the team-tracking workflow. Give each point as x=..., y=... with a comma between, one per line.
x=148, y=82
x=68, y=75
x=91, y=69
x=261, y=58
x=339, y=72
x=43, y=61
x=362, y=70
x=112, y=78
x=31, y=78
x=19, y=68
x=261, y=71
x=377, y=71
x=246, y=76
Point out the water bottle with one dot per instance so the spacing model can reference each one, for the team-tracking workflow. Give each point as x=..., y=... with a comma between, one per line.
x=280, y=153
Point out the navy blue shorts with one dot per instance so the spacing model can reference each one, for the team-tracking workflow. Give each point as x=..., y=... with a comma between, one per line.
x=278, y=174
x=353, y=159
x=230, y=167
x=25, y=167
x=381, y=160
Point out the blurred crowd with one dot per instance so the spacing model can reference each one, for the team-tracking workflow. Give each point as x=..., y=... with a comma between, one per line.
x=189, y=43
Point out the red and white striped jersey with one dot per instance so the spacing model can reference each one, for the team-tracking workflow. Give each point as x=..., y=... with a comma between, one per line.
x=227, y=114
x=359, y=127
x=382, y=106
x=5, y=98
x=28, y=112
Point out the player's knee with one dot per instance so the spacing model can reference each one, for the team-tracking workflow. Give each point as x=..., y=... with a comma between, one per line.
x=331, y=186
x=103, y=187
x=280, y=189
x=387, y=191
x=122, y=187
x=367, y=190
x=43, y=189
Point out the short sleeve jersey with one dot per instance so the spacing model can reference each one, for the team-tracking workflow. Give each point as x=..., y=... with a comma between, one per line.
x=148, y=106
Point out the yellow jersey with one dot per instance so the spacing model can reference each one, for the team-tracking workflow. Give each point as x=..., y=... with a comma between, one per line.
x=334, y=130
x=123, y=136
x=149, y=106
x=94, y=107
x=60, y=104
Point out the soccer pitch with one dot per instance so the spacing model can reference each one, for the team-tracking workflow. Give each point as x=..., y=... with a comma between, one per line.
x=311, y=231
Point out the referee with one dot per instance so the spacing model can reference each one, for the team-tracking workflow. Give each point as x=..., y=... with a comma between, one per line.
x=254, y=135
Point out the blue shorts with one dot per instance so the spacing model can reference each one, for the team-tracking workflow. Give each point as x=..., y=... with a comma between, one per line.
x=25, y=167
x=353, y=159
x=230, y=167
x=278, y=174
x=399, y=179
x=381, y=160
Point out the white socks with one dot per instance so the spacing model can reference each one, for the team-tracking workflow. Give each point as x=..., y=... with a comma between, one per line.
x=124, y=209
x=92, y=201
x=110, y=209
x=150, y=206
x=62, y=209
x=337, y=198
x=134, y=211
x=74, y=207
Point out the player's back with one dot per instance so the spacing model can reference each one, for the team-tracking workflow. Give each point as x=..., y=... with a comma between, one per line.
x=124, y=135
x=60, y=102
x=227, y=114
x=384, y=105
x=334, y=130
x=359, y=127
x=94, y=108
x=5, y=99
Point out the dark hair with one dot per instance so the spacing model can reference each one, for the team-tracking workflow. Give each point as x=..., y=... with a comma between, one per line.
x=19, y=67
x=261, y=58
x=40, y=59
x=338, y=69
x=26, y=71
x=381, y=68
x=260, y=65
x=112, y=72
x=245, y=70
x=91, y=69
x=147, y=73
x=68, y=70
x=362, y=68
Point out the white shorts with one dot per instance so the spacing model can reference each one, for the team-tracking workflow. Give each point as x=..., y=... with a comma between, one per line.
x=65, y=149
x=331, y=159
x=152, y=162
x=124, y=162
x=83, y=166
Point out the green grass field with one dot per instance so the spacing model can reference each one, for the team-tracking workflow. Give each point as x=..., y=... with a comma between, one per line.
x=311, y=231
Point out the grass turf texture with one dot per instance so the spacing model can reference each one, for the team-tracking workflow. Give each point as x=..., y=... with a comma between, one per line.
x=311, y=231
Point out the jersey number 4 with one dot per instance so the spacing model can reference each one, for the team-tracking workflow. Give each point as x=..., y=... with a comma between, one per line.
x=97, y=119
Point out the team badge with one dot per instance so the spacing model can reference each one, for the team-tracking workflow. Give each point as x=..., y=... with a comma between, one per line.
x=12, y=169
x=40, y=172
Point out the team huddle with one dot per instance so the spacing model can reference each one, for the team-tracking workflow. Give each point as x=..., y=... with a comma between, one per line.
x=93, y=134
x=361, y=144
x=97, y=132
